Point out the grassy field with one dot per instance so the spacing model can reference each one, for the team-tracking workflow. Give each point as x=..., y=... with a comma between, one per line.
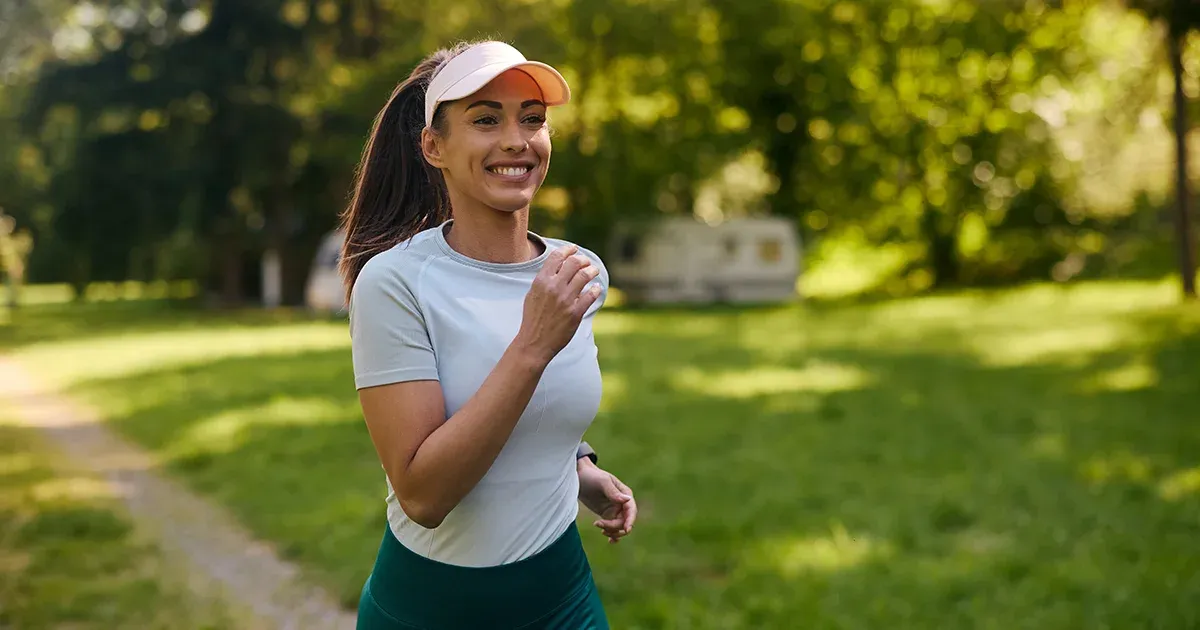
x=68, y=559
x=1018, y=459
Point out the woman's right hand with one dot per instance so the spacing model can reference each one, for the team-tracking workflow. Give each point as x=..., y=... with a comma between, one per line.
x=556, y=302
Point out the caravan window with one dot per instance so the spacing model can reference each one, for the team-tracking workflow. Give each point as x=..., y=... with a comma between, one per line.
x=630, y=247
x=731, y=247
x=770, y=250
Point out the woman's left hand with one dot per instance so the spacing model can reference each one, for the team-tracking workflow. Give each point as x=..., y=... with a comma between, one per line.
x=608, y=498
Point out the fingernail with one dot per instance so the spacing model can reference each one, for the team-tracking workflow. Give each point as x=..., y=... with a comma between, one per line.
x=625, y=496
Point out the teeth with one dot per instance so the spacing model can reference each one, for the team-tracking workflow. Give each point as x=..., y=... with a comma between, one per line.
x=515, y=171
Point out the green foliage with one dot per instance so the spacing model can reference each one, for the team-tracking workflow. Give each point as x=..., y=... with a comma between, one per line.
x=181, y=140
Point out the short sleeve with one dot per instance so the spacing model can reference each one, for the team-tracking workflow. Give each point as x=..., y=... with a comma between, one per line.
x=389, y=339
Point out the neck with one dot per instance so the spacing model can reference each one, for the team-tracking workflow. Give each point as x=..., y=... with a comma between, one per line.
x=492, y=236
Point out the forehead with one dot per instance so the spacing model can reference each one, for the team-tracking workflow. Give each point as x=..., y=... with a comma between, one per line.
x=511, y=85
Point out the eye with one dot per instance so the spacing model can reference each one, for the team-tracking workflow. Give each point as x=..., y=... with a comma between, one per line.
x=534, y=119
x=486, y=120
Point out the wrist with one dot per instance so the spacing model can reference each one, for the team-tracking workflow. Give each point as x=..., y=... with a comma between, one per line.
x=527, y=353
x=585, y=451
x=527, y=356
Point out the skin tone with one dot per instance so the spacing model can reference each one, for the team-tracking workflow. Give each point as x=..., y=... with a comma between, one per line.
x=494, y=154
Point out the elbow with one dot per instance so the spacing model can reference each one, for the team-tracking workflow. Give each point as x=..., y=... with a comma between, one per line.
x=423, y=514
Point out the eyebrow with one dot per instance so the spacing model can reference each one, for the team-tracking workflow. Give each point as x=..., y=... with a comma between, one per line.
x=497, y=105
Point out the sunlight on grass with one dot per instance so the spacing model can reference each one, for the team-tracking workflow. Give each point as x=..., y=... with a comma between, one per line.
x=35, y=294
x=226, y=431
x=70, y=362
x=794, y=555
x=817, y=376
x=1120, y=466
x=72, y=489
x=59, y=293
x=1038, y=346
x=1130, y=377
x=16, y=463
x=1180, y=485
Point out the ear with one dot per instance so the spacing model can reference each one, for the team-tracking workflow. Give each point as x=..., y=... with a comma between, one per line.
x=431, y=147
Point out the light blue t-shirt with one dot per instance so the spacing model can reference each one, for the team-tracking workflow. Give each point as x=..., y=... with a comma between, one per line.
x=421, y=311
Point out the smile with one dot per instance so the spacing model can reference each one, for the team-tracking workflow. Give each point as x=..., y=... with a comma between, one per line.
x=511, y=173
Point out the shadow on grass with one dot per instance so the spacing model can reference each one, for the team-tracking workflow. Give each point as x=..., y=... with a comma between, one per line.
x=846, y=486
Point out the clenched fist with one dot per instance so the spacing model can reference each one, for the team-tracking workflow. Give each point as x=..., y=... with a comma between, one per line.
x=557, y=302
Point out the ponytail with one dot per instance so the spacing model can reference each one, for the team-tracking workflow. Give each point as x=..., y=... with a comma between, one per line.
x=396, y=192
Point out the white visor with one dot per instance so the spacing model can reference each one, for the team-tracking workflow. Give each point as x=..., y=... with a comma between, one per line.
x=476, y=66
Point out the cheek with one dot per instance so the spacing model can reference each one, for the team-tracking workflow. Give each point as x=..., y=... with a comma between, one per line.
x=541, y=146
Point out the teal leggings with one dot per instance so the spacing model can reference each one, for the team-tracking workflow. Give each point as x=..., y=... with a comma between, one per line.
x=551, y=590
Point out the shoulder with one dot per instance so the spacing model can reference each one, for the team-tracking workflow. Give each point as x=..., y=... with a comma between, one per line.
x=601, y=279
x=397, y=270
x=557, y=243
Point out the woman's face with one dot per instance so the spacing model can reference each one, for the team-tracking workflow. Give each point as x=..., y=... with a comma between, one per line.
x=495, y=148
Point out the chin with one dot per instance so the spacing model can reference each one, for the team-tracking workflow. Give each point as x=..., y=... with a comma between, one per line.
x=511, y=203
x=510, y=208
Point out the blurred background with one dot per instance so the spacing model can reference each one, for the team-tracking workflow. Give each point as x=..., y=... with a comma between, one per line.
x=974, y=404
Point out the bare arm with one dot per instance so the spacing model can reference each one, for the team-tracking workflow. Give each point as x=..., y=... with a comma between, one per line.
x=433, y=462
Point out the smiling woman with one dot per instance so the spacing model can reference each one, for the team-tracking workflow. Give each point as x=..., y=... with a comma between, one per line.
x=474, y=357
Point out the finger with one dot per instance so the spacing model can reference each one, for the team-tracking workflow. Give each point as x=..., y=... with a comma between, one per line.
x=615, y=536
x=616, y=491
x=610, y=524
x=586, y=300
x=571, y=265
x=585, y=275
x=630, y=506
x=614, y=531
x=630, y=515
x=555, y=260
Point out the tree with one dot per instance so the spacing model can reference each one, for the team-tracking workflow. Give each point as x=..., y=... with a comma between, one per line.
x=1180, y=17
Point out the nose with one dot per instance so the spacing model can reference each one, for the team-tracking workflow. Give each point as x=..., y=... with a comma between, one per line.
x=513, y=140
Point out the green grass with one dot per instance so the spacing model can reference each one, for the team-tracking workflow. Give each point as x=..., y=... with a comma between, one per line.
x=69, y=559
x=1026, y=458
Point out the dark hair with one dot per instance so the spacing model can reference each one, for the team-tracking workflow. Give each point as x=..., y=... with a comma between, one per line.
x=396, y=192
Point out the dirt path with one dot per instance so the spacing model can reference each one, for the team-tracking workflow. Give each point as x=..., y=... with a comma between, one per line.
x=218, y=554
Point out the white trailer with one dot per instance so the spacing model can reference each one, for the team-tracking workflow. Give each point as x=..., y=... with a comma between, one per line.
x=684, y=260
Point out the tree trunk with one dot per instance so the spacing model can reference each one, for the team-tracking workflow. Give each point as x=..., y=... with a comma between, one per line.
x=942, y=241
x=81, y=275
x=230, y=260
x=1187, y=260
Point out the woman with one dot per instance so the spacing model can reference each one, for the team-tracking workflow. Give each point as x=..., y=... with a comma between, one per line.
x=474, y=357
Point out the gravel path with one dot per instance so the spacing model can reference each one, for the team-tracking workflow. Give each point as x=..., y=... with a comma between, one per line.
x=219, y=555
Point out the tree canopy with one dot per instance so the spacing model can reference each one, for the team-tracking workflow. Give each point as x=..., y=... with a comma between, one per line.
x=957, y=142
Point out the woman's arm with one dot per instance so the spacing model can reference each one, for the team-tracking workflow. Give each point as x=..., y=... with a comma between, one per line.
x=433, y=462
